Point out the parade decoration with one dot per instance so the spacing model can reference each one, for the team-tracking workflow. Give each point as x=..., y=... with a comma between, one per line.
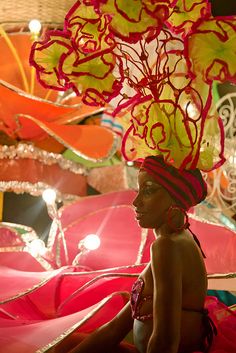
x=54, y=303
x=155, y=63
x=40, y=116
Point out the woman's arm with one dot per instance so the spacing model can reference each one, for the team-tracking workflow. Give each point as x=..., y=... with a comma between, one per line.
x=166, y=267
x=108, y=335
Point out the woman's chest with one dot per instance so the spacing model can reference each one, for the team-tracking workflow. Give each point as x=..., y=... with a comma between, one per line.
x=147, y=278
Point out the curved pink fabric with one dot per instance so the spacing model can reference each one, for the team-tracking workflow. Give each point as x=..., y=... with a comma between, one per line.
x=37, y=307
x=108, y=216
x=34, y=320
x=9, y=238
x=111, y=217
x=219, y=243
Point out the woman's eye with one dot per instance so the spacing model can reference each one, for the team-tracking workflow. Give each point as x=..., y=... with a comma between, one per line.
x=148, y=191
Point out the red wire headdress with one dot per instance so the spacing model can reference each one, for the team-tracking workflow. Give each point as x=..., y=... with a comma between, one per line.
x=154, y=62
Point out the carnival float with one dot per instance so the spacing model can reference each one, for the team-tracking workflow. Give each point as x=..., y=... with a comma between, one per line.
x=84, y=99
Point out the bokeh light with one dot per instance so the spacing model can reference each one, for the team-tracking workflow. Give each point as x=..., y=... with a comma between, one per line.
x=91, y=242
x=49, y=196
x=34, y=26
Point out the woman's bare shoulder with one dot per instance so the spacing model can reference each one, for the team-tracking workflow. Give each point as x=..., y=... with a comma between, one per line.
x=164, y=243
x=162, y=250
x=173, y=242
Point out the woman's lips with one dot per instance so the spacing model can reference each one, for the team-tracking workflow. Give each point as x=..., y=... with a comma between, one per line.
x=139, y=215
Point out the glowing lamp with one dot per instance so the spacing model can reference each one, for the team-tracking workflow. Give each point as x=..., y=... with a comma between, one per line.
x=91, y=242
x=36, y=247
x=34, y=26
x=49, y=196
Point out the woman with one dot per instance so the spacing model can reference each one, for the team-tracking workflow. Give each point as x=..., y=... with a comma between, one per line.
x=166, y=310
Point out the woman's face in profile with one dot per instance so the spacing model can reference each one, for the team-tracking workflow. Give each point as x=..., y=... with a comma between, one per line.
x=151, y=202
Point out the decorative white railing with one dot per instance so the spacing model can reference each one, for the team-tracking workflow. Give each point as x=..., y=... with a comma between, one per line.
x=222, y=182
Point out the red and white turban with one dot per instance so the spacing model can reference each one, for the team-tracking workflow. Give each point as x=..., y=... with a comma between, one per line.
x=186, y=187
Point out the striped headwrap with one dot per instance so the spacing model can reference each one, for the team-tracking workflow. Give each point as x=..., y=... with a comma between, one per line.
x=186, y=187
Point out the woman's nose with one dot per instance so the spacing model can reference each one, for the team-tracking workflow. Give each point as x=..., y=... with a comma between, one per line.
x=136, y=201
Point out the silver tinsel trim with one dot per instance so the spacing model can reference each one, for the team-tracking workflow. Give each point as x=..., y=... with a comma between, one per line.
x=19, y=187
x=23, y=150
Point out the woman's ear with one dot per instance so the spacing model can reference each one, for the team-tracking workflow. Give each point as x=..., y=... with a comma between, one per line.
x=176, y=218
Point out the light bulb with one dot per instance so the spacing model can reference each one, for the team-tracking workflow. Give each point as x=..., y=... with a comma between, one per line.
x=49, y=196
x=91, y=242
x=36, y=247
x=35, y=26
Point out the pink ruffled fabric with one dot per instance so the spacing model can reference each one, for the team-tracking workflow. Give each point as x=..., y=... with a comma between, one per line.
x=37, y=306
x=41, y=306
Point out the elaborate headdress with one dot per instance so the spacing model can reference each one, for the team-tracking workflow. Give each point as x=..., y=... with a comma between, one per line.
x=154, y=62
